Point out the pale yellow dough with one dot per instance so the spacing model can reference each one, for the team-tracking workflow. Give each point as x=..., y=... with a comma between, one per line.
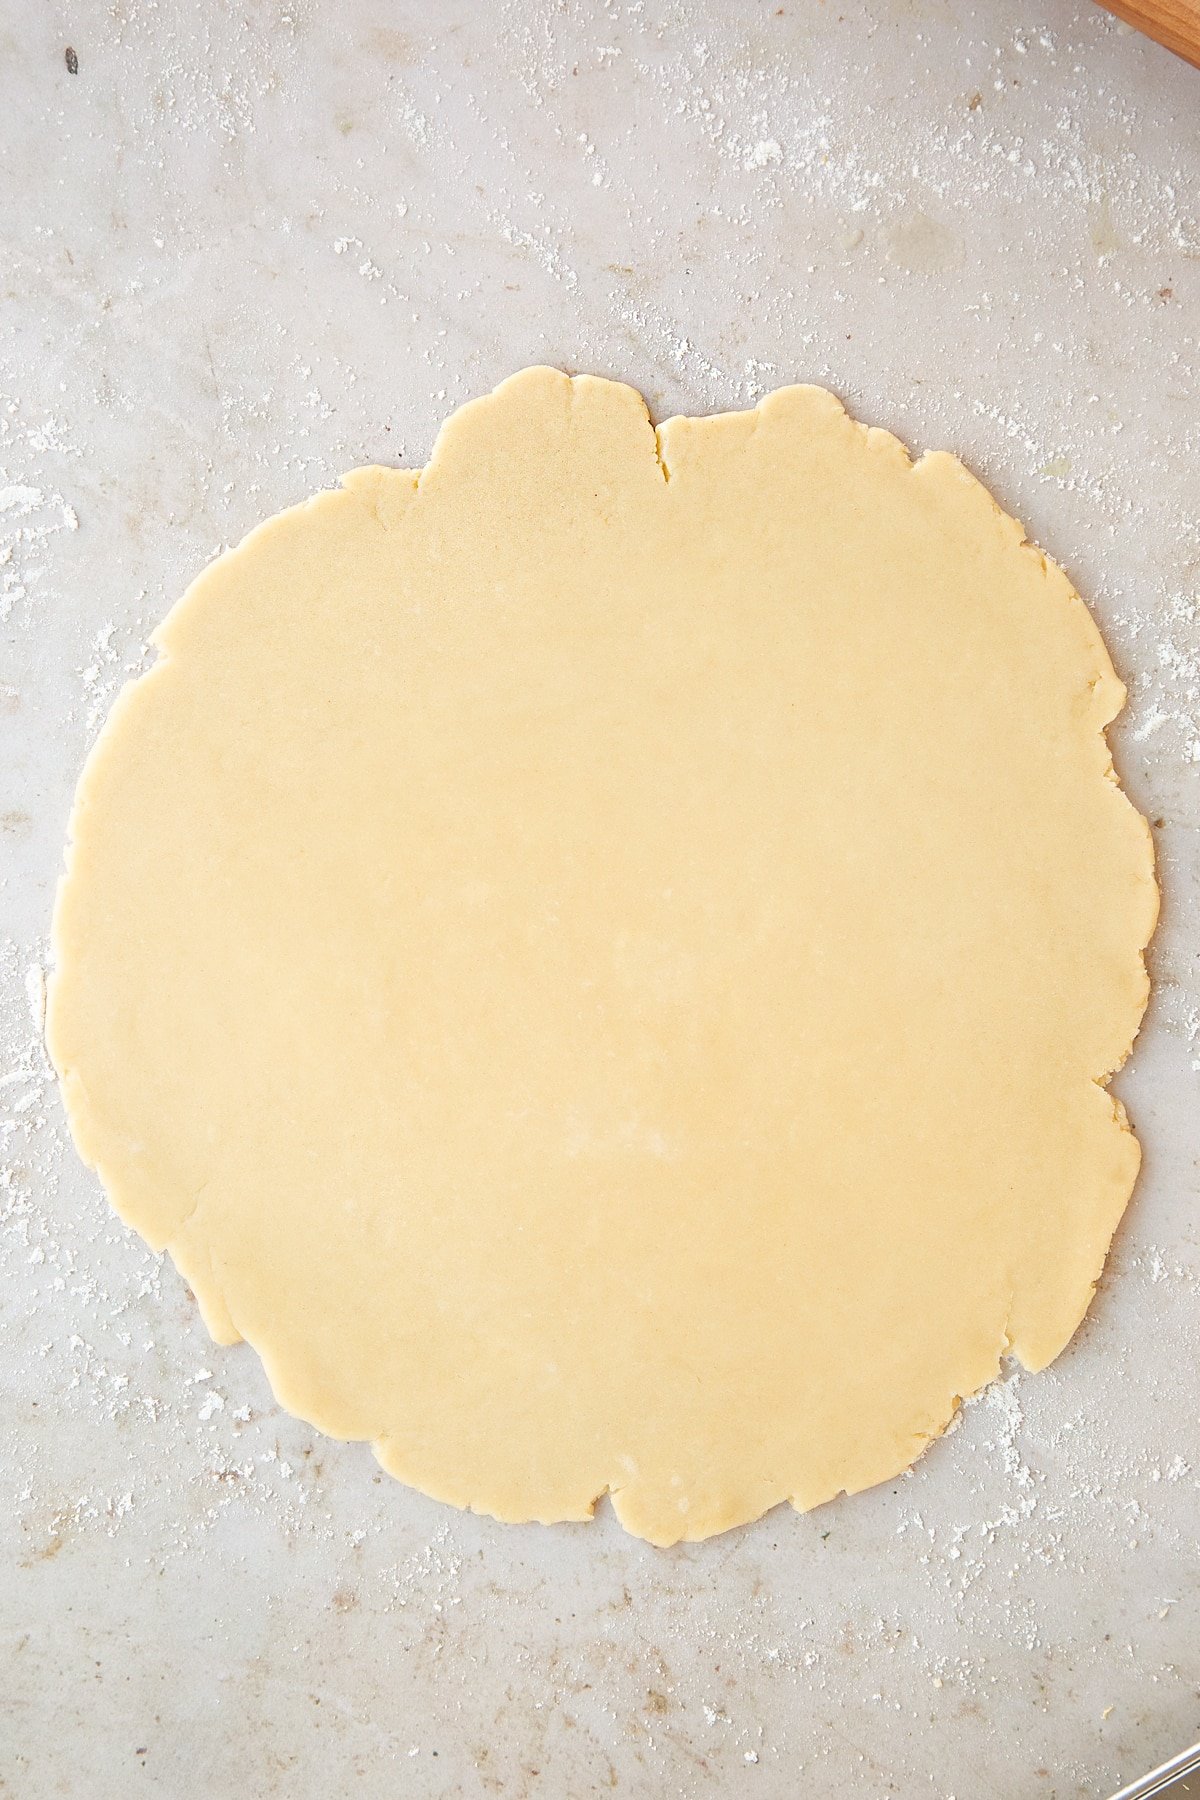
x=601, y=959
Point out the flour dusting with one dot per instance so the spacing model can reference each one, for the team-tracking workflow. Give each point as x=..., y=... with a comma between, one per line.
x=249, y=248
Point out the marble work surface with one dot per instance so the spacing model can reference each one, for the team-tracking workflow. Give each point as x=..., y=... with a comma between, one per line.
x=246, y=246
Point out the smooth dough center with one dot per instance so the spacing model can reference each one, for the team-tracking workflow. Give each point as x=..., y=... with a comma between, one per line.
x=601, y=959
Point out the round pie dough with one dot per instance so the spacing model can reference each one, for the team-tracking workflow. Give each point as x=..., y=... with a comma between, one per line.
x=601, y=959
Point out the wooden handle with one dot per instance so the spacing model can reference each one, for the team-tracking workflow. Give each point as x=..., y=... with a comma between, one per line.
x=1175, y=23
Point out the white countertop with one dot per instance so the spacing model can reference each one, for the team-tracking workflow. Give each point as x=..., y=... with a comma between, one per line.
x=247, y=246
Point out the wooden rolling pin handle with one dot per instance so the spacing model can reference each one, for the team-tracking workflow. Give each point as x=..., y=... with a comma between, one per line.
x=1175, y=23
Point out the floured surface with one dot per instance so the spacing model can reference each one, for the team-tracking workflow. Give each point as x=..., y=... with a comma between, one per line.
x=599, y=961
x=294, y=188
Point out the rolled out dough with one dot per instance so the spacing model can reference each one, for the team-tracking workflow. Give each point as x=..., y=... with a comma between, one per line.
x=601, y=959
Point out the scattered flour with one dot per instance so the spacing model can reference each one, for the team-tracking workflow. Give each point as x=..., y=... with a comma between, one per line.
x=688, y=196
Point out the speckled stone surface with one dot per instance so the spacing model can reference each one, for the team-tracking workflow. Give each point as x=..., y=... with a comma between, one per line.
x=245, y=247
